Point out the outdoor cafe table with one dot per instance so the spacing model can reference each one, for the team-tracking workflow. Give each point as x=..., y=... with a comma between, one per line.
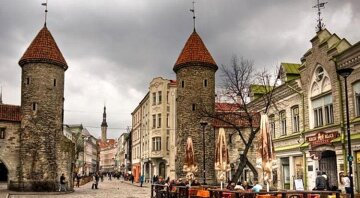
x=283, y=194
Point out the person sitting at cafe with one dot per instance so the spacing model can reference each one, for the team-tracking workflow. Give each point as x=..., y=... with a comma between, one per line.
x=195, y=183
x=245, y=185
x=257, y=187
x=238, y=186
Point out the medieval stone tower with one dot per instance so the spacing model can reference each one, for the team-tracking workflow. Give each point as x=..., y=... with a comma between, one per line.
x=104, y=127
x=44, y=152
x=195, y=76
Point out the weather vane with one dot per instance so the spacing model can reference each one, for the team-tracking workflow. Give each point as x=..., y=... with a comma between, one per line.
x=193, y=11
x=46, y=10
x=319, y=6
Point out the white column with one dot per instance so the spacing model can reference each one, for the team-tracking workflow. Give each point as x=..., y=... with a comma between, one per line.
x=292, y=171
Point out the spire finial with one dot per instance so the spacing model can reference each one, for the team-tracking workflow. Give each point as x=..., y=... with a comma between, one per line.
x=193, y=11
x=319, y=6
x=46, y=10
x=1, y=95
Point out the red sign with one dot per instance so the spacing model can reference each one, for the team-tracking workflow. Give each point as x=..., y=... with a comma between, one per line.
x=321, y=138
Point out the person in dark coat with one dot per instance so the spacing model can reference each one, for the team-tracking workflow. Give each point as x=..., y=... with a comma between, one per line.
x=320, y=182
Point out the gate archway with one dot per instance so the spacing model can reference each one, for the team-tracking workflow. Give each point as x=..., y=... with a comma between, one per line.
x=4, y=172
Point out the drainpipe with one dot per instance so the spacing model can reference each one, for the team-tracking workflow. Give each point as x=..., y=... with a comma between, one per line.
x=302, y=133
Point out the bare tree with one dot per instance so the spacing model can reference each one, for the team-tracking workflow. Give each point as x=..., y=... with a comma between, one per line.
x=239, y=80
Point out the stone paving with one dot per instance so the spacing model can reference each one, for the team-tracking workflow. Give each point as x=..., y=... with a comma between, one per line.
x=114, y=188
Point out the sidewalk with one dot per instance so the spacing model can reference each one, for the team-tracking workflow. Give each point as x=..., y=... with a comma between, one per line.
x=145, y=185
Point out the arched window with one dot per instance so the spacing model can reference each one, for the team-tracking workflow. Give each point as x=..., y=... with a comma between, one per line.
x=321, y=102
x=356, y=88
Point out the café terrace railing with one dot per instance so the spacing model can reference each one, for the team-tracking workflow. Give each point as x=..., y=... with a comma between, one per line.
x=163, y=191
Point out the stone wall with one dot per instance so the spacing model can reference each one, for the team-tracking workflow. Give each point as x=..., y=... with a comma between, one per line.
x=188, y=118
x=9, y=151
x=42, y=93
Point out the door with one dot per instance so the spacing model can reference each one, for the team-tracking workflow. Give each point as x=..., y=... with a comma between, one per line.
x=327, y=164
x=162, y=170
x=357, y=172
x=3, y=172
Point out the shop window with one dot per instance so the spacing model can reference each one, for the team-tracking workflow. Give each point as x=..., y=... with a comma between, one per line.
x=295, y=119
x=283, y=122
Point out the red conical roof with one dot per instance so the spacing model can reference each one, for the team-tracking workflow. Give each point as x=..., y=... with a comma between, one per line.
x=194, y=51
x=43, y=49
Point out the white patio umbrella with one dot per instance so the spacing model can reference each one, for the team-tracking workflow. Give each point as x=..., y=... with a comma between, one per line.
x=189, y=164
x=265, y=153
x=222, y=163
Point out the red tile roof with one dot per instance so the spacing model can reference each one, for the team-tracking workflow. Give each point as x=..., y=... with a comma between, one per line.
x=194, y=51
x=237, y=118
x=107, y=144
x=231, y=107
x=43, y=49
x=10, y=113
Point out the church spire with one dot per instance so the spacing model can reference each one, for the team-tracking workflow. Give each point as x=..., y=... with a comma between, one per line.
x=104, y=123
x=320, y=5
x=193, y=11
x=104, y=127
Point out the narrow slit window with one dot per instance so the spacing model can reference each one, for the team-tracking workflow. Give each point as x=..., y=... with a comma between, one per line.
x=205, y=83
x=193, y=107
x=28, y=81
x=54, y=82
x=182, y=84
x=34, y=106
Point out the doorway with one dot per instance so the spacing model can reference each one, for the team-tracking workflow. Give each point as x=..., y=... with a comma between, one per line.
x=327, y=164
x=3, y=172
x=357, y=172
x=162, y=170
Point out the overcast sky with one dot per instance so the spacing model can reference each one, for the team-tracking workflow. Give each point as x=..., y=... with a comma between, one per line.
x=115, y=47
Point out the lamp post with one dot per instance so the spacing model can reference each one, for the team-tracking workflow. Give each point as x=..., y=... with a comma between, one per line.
x=203, y=124
x=346, y=73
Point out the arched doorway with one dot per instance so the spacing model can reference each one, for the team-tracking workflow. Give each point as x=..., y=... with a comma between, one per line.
x=327, y=164
x=3, y=172
x=162, y=169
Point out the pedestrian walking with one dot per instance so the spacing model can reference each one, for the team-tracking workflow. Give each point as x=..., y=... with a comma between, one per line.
x=62, y=183
x=320, y=182
x=346, y=182
x=132, y=179
x=141, y=180
x=78, y=180
x=96, y=181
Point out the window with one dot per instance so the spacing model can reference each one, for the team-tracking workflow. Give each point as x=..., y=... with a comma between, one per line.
x=154, y=98
x=356, y=88
x=156, y=144
x=159, y=97
x=272, y=125
x=323, y=108
x=319, y=73
x=205, y=83
x=2, y=133
x=283, y=122
x=154, y=121
x=182, y=84
x=167, y=143
x=54, y=82
x=167, y=97
x=295, y=119
x=28, y=80
x=34, y=106
x=193, y=107
x=167, y=120
x=159, y=120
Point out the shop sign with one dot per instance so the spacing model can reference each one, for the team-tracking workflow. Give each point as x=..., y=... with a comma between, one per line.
x=321, y=138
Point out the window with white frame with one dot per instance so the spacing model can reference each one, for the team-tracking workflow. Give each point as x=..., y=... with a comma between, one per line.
x=356, y=88
x=295, y=119
x=153, y=121
x=272, y=125
x=283, y=122
x=323, y=111
x=156, y=144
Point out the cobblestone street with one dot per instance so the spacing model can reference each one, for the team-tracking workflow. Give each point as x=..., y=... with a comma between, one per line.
x=113, y=188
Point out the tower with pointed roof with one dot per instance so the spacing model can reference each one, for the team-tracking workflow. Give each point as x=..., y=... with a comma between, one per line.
x=42, y=160
x=195, y=76
x=104, y=127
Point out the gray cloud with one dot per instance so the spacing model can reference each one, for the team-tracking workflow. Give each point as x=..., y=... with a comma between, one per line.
x=114, y=48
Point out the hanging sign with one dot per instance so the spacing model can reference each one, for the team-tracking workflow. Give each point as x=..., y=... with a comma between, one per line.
x=321, y=138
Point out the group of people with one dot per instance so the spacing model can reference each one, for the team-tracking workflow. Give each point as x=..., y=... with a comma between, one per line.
x=244, y=186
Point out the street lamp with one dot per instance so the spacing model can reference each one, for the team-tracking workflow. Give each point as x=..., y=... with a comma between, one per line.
x=346, y=73
x=203, y=124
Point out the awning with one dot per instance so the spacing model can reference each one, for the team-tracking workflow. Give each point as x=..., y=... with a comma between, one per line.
x=352, y=137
